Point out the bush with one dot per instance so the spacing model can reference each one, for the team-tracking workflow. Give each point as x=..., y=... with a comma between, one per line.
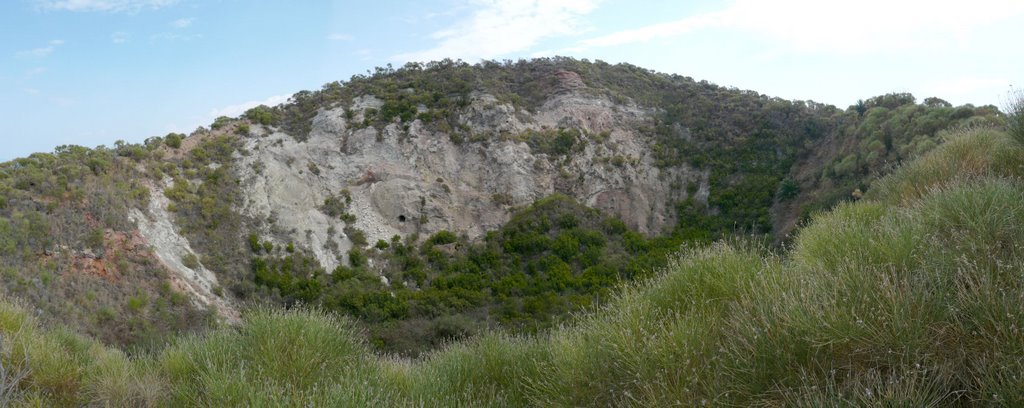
x=442, y=237
x=262, y=114
x=173, y=140
x=787, y=189
x=356, y=235
x=190, y=261
x=356, y=258
x=220, y=122
x=552, y=142
x=254, y=243
x=334, y=206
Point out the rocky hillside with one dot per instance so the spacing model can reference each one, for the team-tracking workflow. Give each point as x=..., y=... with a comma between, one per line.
x=408, y=178
x=389, y=196
x=613, y=148
x=909, y=297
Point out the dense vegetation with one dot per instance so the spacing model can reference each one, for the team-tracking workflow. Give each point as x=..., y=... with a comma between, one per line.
x=771, y=161
x=204, y=196
x=67, y=245
x=551, y=259
x=878, y=134
x=68, y=248
x=763, y=152
x=909, y=297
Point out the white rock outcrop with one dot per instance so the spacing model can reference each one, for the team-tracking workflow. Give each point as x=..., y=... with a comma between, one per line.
x=408, y=179
x=170, y=247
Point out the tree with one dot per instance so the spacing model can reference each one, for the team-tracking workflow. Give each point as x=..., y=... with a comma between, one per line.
x=934, y=102
x=860, y=107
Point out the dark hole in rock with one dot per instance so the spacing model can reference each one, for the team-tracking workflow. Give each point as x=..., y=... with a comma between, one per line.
x=401, y=218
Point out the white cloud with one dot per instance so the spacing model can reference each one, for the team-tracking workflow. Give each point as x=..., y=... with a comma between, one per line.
x=40, y=52
x=502, y=27
x=340, y=37
x=112, y=6
x=231, y=111
x=836, y=26
x=416, y=18
x=119, y=37
x=182, y=22
x=655, y=31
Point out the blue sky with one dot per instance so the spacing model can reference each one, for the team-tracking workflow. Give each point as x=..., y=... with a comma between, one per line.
x=91, y=72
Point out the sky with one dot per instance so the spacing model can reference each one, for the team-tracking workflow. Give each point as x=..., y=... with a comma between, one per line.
x=92, y=72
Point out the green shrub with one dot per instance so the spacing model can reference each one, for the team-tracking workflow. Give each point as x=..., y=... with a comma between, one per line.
x=356, y=235
x=94, y=239
x=220, y=122
x=442, y=238
x=334, y=206
x=173, y=140
x=254, y=243
x=190, y=261
x=356, y=258
x=788, y=188
x=552, y=142
x=262, y=114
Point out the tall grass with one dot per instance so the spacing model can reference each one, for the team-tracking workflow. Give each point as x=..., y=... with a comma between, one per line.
x=911, y=297
x=966, y=154
x=1014, y=110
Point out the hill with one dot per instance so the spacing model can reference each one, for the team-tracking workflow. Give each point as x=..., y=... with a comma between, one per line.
x=437, y=201
x=910, y=296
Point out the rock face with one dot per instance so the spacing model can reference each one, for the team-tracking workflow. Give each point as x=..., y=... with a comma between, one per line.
x=407, y=179
x=171, y=248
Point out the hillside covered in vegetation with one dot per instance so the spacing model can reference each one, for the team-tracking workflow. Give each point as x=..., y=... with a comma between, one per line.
x=764, y=153
x=909, y=297
x=82, y=243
